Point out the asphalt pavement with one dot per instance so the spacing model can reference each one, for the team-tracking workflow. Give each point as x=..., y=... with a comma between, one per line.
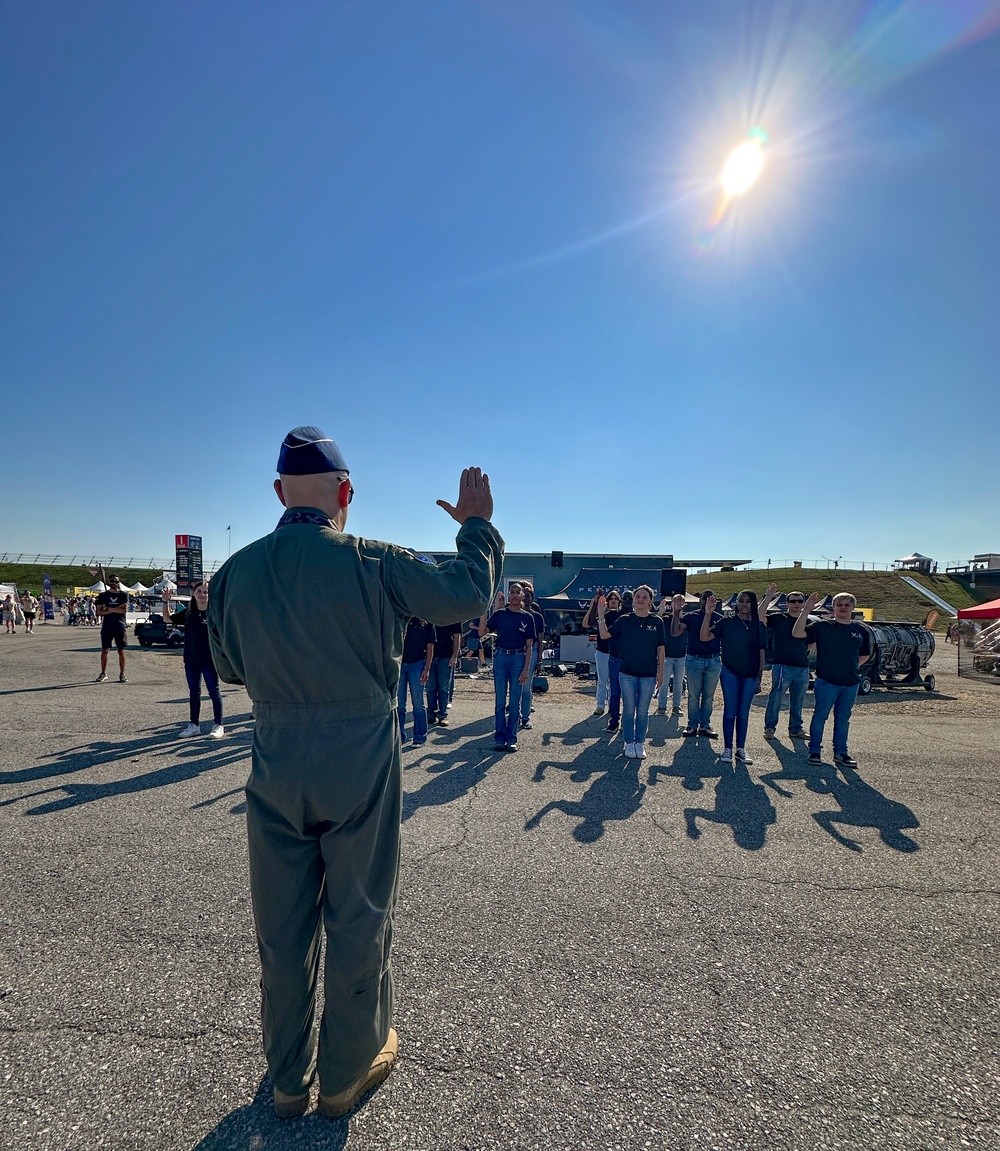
x=590, y=952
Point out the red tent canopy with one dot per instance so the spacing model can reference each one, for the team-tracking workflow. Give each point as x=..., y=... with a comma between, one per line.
x=989, y=610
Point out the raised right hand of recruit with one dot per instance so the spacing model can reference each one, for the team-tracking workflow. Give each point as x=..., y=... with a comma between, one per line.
x=474, y=497
x=710, y=602
x=811, y=602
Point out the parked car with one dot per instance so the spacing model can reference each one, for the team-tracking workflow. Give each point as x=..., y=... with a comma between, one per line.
x=154, y=630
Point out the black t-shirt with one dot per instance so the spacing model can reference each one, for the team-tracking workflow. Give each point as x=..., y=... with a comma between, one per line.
x=742, y=643
x=638, y=638
x=444, y=640
x=674, y=645
x=785, y=649
x=694, y=645
x=838, y=646
x=112, y=599
x=605, y=644
x=418, y=636
x=513, y=629
x=196, y=648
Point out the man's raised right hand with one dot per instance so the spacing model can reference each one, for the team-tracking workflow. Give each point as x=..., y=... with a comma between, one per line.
x=474, y=497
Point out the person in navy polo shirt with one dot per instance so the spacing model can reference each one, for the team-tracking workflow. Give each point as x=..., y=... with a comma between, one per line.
x=514, y=629
x=703, y=666
x=536, y=650
x=418, y=652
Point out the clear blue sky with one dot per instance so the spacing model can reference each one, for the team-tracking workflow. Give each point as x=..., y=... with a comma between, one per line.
x=474, y=231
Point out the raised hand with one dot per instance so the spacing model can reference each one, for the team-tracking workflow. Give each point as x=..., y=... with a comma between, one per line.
x=710, y=602
x=772, y=590
x=474, y=497
x=812, y=600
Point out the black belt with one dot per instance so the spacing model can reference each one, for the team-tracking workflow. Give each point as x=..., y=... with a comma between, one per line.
x=511, y=650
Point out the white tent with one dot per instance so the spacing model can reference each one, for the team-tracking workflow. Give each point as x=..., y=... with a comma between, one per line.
x=163, y=583
x=97, y=587
x=139, y=586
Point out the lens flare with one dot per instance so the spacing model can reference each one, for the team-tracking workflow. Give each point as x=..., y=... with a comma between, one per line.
x=742, y=168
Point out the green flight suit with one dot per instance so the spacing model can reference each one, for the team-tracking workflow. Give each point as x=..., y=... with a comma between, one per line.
x=311, y=621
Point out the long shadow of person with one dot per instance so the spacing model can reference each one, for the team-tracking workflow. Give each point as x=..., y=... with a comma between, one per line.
x=598, y=757
x=590, y=728
x=451, y=776
x=256, y=1128
x=862, y=805
x=796, y=769
x=742, y=804
x=617, y=794
x=191, y=759
x=692, y=765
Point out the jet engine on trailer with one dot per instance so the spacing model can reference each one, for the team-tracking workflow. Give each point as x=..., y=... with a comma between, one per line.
x=901, y=652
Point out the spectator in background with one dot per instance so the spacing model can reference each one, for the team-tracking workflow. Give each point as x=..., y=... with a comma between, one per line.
x=29, y=606
x=9, y=618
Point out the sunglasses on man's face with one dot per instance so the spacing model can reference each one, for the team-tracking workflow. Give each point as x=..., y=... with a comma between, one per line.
x=795, y=601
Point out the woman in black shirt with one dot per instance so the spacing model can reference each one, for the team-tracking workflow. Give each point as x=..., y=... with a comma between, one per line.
x=742, y=637
x=198, y=663
x=603, y=654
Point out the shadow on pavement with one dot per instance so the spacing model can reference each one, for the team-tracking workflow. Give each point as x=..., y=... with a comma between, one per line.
x=861, y=805
x=616, y=794
x=196, y=756
x=451, y=777
x=694, y=761
x=47, y=687
x=256, y=1128
x=740, y=803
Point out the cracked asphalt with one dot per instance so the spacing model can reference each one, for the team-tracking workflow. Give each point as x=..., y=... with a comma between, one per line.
x=589, y=953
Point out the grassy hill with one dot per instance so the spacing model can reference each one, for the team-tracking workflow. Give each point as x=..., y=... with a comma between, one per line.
x=885, y=592
x=65, y=577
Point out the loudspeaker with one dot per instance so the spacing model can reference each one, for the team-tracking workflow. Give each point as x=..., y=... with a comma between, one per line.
x=557, y=559
x=673, y=581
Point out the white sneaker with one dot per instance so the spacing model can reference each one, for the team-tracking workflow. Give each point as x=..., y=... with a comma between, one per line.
x=217, y=732
x=630, y=751
x=741, y=755
x=727, y=755
x=191, y=729
x=640, y=751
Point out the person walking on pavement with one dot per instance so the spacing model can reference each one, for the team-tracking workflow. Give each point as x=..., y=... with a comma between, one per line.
x=29, y=607
x=198, y=663
x=514, y=630
x=789, y=663
x=324, y=798
x=111, y=606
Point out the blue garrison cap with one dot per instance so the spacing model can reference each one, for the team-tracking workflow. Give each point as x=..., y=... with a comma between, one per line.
x=306, y=451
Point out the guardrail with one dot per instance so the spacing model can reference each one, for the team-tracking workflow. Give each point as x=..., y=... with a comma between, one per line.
x=84, y=559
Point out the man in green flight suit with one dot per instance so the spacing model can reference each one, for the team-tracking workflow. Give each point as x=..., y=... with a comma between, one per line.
x=324, y=796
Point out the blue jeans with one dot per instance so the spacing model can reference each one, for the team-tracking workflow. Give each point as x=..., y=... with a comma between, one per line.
x=438, y=684
x=637, y=691
x=831, y=696
x=507, y=669
x=601, y=658
x=703, y=678
x=673, y=667
x=794, y=680
x=737, y=695
x=410, y=674
x=194, y=674
x=526, y=690
x=614, y=690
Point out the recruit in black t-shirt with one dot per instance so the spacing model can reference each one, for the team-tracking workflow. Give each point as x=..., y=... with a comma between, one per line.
x=418, y=636
x=513, y=629
x=695, y=646
x=742, y=643
x=639, y=639
x=838, y=646
x=444, y=640
x=674, y=646
x=785, y=648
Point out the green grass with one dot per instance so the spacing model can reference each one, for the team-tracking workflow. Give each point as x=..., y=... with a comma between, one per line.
x=884, y=592
x=65, y=577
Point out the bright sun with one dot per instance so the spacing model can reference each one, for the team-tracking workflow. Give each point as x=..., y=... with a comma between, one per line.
x=742, y=168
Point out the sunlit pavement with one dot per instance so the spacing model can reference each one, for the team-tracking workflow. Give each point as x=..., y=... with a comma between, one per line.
x=590, y=953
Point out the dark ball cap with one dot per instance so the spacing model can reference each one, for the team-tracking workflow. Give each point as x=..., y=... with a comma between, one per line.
x=306, y=451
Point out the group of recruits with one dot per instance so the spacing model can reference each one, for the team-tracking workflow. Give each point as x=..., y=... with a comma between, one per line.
x=641, y=653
